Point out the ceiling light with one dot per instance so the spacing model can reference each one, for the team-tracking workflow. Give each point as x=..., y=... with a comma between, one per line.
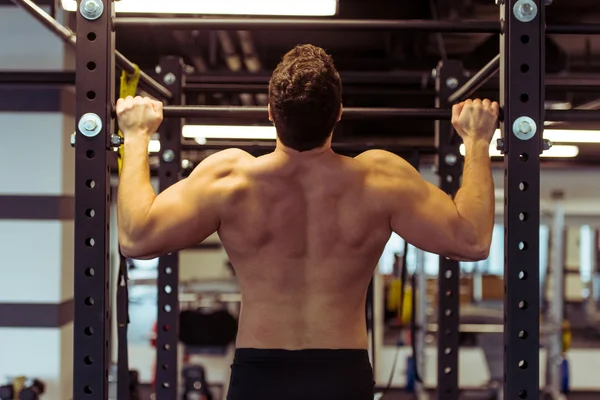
x=565, y=136
x=221, y=7
x=203, y=132
x=556, y=151
x=154, y=146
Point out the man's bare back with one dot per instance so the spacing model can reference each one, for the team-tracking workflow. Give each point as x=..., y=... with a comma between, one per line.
x=304, y=240
x=304, y=227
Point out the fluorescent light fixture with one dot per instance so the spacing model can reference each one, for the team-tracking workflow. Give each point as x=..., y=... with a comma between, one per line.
x=203, y=132
x=565, y=136
x=557, y=151
x=221, y=7
x=154, y=146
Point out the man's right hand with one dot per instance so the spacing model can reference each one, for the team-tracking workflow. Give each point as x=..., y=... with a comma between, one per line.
x=475, y=120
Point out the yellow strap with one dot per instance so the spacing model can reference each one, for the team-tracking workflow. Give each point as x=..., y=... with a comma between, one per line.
x=129, y=84
x=18, y=385
x=566, y=336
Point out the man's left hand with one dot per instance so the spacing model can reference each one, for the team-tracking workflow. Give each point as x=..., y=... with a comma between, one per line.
x=139, y=116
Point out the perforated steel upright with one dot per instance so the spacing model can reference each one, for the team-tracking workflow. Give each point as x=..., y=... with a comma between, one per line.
x=450, y=76
x=170, y=73
x=94, y=96
x=522, y=98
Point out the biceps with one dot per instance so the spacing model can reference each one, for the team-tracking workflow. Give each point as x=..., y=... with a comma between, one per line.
x=431, y=222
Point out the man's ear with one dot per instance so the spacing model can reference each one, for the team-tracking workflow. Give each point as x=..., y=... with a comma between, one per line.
x=270, y=115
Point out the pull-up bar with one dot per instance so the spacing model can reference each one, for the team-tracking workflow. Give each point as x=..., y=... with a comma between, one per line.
x=71, y=39
x=301, y=24
x=237, y=112
x=225, y=112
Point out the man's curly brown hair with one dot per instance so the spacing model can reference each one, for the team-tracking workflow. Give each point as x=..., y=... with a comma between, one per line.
x=305, y=95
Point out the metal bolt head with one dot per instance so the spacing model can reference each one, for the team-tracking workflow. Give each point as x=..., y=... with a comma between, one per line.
x=91, y=9
x=452, y=83
x=89, y=125
x=500, y=144
x=524, y=127
x=170, y=79
x=547, y=144
x=73, y=137
x=451, y=159
x=158, y=69
x=525, y=10
x=116, y=140
x=168, y=156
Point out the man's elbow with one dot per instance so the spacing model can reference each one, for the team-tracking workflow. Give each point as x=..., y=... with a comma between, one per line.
x=135, y=249
x=476, y=252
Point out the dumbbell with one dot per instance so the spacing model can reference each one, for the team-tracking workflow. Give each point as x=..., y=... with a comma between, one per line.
x=33, y=391
x=7, y=392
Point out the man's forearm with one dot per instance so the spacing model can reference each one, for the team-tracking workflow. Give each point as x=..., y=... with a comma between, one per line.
x=136, y=195
x=475, y=200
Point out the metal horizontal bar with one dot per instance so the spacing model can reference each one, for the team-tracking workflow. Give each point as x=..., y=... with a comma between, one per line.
x=261, y=112
x=278, y=24
x=573, y=115
x=70, y=38
x=37, y=78
x=490, y=328
x=476, y=81
x=574, y=29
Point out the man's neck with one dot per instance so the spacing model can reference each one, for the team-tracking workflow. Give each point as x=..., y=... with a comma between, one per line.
x=326, y=148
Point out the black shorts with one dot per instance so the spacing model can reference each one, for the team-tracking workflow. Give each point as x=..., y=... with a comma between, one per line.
x=265, y=374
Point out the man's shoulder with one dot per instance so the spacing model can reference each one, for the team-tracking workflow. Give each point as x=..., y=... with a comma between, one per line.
x=382, y=162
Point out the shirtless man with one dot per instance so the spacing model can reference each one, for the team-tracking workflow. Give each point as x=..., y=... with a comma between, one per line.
x=304, y=228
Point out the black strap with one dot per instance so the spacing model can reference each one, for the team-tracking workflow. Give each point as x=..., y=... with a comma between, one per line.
x=123, y=391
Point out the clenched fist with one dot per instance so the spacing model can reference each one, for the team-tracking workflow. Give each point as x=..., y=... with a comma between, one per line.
x=139, y=116
x=475, y=120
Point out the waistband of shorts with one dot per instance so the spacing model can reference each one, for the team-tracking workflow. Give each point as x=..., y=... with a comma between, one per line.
x=331, y=355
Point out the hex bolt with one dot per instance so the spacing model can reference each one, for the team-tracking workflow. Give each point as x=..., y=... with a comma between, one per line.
x=116, y=140
x=524, y=127
x=451, y=159
x=91, y=9
x=170, y=78
x=500, y=144
x=547, y=144
x=90, y=125
x=525, y=10
x=452, y=83
x=168, y=156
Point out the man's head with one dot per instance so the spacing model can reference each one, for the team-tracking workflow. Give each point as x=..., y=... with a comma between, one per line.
x=305, y=98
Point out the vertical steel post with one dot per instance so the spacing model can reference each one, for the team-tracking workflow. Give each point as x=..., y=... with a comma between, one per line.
x=449, y=77
x=522, y=99
x=556, y=311
x=171, y=74
x=421, y=323
x=95, y=88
